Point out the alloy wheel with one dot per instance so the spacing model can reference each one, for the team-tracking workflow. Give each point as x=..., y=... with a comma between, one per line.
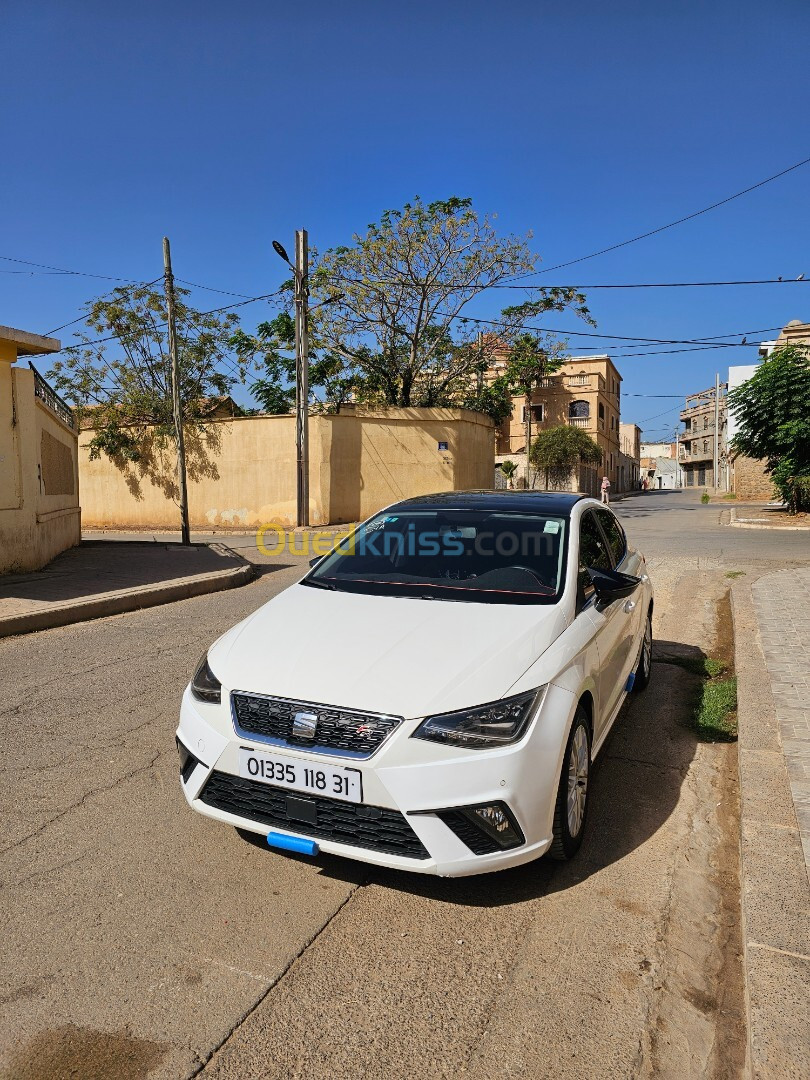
x=577, y=780
x=646, y=649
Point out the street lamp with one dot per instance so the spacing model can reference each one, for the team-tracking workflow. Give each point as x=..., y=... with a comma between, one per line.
x=280, y=250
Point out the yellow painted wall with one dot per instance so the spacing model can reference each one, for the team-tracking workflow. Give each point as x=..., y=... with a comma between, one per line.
x=244, y=476
x=39, y=477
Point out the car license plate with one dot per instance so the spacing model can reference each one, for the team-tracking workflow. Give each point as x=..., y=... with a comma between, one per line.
x=295, y=775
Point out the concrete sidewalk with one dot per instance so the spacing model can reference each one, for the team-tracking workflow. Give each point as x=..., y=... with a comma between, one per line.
x=100, y=578
x=772, y=655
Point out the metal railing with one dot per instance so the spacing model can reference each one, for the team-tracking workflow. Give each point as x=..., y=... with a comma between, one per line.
x=49, y=396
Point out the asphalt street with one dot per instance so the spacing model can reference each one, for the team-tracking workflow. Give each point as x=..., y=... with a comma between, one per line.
x=141, y=939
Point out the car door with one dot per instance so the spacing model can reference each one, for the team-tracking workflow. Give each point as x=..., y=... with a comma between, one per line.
x=629, y=640
x=608, y=624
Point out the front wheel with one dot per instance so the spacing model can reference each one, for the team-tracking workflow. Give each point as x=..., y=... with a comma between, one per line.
x=644, y=669
x=571, y=807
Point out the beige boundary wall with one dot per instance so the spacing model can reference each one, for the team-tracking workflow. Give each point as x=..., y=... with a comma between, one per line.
x=243, y=474
x=39, y=481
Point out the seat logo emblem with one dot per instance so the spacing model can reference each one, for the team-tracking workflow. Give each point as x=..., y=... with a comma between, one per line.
x=304, y=725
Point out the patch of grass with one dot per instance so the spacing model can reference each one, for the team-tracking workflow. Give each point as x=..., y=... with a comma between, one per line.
x=716, y=712
x=698, y=665
x=704, y=498
x=730, y=496
x=735, y=573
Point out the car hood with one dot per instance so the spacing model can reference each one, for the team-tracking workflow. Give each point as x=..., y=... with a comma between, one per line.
x=398, y=655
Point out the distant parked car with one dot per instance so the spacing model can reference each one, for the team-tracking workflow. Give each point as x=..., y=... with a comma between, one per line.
x=430, y=696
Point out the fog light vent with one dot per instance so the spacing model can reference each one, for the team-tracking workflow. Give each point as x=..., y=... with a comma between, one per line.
x=188, y=762
x=484, y=829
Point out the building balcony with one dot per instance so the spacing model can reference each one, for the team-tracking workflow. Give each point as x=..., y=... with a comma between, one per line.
x=696, y=455
x=583, y=422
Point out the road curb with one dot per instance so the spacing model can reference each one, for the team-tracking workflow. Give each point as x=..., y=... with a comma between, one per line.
x=120, y=601
x=773, y=876
x=759, y=525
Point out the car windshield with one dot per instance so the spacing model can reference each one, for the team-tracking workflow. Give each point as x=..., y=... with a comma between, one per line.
x=469, y=555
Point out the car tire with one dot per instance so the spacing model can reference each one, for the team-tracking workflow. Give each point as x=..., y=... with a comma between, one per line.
x=571, y=807
x=644, y=667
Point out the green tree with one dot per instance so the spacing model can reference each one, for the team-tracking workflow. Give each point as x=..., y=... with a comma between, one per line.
x=396, y=297
x=123, y=380
x=274, y=344
x=531, y=359
x=772, y=413
x=558, y=450
x=118, y=377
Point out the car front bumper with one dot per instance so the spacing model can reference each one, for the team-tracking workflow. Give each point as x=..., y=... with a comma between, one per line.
x=404, y=783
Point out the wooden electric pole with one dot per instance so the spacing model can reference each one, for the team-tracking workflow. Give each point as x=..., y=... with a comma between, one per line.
x=168, y=280
x=716, y=455
x=479, y=381
x=301, y=377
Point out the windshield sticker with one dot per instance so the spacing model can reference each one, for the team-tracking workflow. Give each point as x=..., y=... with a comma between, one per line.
x=552, y=527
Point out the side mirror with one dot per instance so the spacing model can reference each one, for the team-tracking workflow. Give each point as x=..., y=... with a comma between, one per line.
x=316, y=560
x=612, y=585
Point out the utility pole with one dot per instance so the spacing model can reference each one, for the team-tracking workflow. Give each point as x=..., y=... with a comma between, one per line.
x=301, y=377
x=479, y=381
x=716, y=430
x=168, y=280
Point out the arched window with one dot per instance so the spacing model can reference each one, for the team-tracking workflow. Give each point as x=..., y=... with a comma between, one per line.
x=578, y=409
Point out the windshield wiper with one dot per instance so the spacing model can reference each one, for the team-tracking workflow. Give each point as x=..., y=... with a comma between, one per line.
x=320, y=584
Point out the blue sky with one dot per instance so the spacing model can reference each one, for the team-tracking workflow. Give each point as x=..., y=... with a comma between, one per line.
x=225, y=126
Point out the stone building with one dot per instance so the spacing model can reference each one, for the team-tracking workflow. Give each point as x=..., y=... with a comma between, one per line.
x=629, y=471
x=697, y=442
x=585, y=393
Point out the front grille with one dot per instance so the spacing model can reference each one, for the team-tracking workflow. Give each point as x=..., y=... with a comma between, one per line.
x=372, y=827
x=345, y=732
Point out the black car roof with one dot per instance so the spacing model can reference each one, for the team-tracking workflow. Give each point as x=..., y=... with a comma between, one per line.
x=554, y=503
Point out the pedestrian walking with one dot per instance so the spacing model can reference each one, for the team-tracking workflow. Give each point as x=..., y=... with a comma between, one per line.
x=605, y=490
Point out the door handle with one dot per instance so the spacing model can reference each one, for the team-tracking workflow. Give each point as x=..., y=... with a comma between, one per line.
x=628, y=607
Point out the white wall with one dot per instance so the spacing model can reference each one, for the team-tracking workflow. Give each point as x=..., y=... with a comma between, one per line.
x=736, y=377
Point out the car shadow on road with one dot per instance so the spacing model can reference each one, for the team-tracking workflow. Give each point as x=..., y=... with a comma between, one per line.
x=263, y=569
x=635, y=787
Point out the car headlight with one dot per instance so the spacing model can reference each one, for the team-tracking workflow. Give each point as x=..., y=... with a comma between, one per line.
x=205, y=686
x=485, y=726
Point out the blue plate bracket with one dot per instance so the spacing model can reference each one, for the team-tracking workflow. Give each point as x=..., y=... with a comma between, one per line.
x=292, y=843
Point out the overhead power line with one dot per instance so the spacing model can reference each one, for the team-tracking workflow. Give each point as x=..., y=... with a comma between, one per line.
x=158, y=326
x=616, y=337
x=210, y=288
x=81, y=318
x=69, y=273
x=666, y=284
x=670, y=225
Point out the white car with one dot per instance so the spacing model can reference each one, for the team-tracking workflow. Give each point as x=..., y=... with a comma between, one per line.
x=431, y=694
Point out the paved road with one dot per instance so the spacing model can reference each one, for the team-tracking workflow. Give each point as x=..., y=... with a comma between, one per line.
x=139, y=938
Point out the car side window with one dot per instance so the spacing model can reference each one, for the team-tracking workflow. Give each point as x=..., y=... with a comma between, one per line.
x=593, y=552
x=615, y=535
